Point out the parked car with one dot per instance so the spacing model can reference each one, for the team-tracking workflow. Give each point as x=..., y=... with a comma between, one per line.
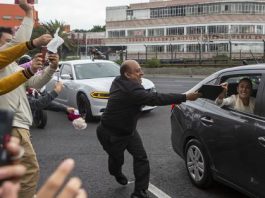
x=87, y=84
x=220, y=143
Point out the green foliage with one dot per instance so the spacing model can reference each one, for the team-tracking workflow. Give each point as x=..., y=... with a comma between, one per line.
x=220, y=57
x=97, y=28
x=119, y=62
x=50, y=28
x=153, y=62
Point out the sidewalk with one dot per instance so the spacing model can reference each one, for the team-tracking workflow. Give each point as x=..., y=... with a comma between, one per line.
x=198, y=72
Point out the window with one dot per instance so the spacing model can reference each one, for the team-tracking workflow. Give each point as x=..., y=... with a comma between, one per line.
x=67, y=69
x=233, y=90
x=18, y=17
x=175, y=31
x=6, y=17
x=156, y=32
x=116, y=34
x=196, y=30
x=136, y=33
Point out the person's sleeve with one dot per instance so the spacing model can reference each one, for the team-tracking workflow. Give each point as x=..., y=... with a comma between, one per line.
x=143, y=97
x=10, y=54
x=43, y=101
x=26, y=65
x=38, y=81
x=55, y=106
x=226, y=101
x=24, y=32
x=14, y=80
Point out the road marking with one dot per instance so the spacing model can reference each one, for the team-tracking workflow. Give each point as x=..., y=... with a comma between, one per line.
x=157, y=192
x=154, y=190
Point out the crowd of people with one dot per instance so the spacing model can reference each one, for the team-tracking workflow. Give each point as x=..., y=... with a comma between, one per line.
x=116, y=131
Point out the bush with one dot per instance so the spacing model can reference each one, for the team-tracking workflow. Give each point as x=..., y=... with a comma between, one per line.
x=221, y=57
x=119, y=62
x=154, y=62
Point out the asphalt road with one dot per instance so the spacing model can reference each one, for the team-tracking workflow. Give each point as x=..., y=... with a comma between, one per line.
x=60, y=140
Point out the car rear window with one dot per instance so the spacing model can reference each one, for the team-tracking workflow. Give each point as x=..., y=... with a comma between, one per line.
x=96, y=70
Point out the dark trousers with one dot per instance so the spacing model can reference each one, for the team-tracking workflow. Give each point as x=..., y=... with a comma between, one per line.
x=115, y=147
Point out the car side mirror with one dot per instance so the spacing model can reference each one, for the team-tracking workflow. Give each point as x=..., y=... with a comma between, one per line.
x=66, y=77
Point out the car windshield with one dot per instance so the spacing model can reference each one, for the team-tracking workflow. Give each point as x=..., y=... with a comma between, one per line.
x=96, y=70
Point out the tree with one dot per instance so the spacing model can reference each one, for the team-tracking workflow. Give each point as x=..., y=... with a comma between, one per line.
x=50, y=28
x=98, y=28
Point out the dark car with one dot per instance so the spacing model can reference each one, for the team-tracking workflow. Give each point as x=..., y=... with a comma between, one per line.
x=221, y=143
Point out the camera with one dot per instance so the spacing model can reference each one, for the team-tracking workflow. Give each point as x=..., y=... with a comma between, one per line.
x=6, y=119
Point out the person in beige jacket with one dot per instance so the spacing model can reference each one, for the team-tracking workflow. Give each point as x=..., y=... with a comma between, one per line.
x=17, y=102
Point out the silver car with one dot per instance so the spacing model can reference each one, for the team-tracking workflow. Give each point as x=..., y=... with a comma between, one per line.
x=87, y=84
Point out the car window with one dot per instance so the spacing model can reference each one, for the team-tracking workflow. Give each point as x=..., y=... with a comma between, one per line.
x=234, y=80
x=96, y=70
x=233, y=84
x=66, y=69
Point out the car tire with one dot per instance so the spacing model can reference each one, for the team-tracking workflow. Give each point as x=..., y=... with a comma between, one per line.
x=40, y=119
x=84, y=108
x=197, y=164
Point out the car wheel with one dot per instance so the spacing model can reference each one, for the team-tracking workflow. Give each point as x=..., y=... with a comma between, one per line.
x=40, y=119
x=84, y=107
x=197, y=164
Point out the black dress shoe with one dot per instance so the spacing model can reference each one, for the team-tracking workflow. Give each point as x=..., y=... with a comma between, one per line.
x=121, y=179
x=140, y=194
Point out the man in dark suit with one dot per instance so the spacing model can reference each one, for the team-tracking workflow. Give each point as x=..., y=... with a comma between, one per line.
x=117, y=129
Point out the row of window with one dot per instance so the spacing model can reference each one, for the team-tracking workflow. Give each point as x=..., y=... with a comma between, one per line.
x=206, y=9
x=12, y=17
x=211, y=29
x=210, y=47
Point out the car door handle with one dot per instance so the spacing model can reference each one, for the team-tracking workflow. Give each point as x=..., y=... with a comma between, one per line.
x=261, y=141
x=207, y=120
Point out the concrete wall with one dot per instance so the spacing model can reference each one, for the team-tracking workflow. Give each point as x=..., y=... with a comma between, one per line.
x=117, y=13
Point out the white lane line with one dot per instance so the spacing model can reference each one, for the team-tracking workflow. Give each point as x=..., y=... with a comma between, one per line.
x=157, y=192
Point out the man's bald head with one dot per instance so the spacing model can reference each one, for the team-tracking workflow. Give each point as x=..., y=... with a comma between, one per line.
x=126, y=66
x=131, y=70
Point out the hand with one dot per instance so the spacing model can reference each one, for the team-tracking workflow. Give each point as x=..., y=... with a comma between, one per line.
x=36, y=63
x=13, y=171
x=70, y=109
x=58, y=87
x=54, y=61
x=28, y=9
x=9, y=190
x=42, y=40
x=223, y=93
x=193, y=96
x=72, y=189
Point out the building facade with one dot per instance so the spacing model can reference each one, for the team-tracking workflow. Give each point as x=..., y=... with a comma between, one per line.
x=188, y=29
x=11, y=15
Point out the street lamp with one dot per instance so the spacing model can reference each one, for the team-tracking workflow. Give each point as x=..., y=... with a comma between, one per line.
x=171, y=51
x=145, y=53
x=230, y=50
x=263, y=50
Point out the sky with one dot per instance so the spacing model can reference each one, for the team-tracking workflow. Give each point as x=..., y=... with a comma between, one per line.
x=79, y=14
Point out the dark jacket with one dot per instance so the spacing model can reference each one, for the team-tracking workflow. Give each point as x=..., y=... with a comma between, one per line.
x=125, y=102
x=45, y=102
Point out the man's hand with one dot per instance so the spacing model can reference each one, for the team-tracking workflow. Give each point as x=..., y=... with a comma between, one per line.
x=58, y=87
x=36, y=63
x=56, y=182
x=28, y=9
x=193, y=96
x=70, y=109
x=42, y=40
x=54, y=61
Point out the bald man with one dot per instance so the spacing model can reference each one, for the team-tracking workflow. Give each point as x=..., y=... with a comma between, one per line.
x=117, y=129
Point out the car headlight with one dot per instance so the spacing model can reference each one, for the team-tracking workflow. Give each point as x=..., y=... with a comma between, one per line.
x=100, y=95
